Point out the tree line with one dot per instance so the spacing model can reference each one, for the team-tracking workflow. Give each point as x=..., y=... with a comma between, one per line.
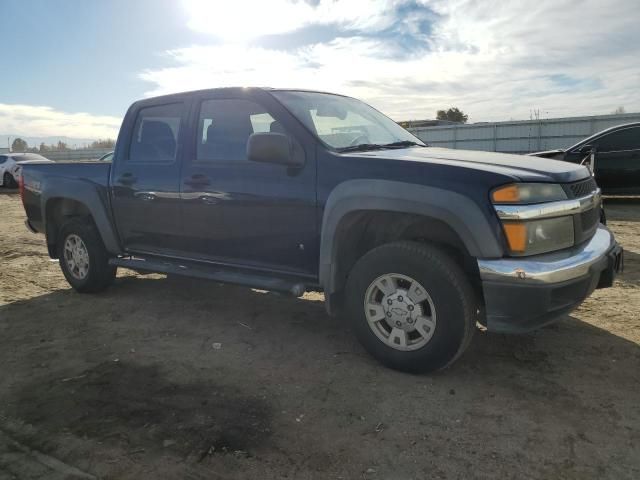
x=453, y=114
x=20, y=145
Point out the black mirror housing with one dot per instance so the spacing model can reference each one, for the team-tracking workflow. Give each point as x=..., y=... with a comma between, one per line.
x=271, y=148
x=586, y=148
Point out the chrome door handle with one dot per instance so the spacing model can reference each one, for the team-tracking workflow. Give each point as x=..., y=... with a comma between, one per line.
x=209, y=199
x=146, y=196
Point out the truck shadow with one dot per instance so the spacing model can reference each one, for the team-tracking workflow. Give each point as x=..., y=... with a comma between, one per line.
x=195, y=369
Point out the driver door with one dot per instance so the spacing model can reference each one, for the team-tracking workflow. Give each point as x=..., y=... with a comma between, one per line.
x=238, y=212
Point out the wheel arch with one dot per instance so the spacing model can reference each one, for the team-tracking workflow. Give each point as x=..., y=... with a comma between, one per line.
x=67, y=199
x=362, y=214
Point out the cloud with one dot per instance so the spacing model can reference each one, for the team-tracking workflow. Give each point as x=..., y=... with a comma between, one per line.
x=43, y=121
x=495, y=60
x=240, y=20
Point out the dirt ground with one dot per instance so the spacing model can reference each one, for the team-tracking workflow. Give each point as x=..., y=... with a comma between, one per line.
x=179, y=379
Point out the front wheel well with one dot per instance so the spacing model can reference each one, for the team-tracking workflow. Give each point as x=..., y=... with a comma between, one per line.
x=361, y=231
x=58, y=212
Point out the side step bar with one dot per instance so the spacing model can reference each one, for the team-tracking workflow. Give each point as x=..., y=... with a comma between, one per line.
x=251, y=280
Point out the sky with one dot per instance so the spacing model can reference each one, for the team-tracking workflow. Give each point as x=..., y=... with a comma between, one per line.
x=72, y=67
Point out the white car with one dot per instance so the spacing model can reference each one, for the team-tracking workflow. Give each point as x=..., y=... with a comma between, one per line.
x=11, y=166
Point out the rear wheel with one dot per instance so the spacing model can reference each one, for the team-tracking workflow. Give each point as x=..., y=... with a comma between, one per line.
x=83, y=258
x=412, y=306
x=8, y=181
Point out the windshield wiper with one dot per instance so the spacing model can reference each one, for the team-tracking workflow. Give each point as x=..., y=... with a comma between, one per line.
x=403, y=143
x=361, y=147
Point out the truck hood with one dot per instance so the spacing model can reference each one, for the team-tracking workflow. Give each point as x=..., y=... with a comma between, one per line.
x=521, y=167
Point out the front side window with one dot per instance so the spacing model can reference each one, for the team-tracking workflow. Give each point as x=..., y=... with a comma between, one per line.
x=342, y=122
x=627, y=139
x=155, y=134
x=225, y=126
x=2, y=159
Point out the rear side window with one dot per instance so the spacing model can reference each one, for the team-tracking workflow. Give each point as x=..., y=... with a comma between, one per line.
x=3, y=159
x=225, y=126
x=627, y=139
x=155, y=134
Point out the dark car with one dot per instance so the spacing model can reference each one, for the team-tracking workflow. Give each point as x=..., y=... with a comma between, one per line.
x=617, y=158
x=290, y=191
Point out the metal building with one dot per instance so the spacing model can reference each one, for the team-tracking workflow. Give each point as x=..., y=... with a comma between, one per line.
x=520, y=136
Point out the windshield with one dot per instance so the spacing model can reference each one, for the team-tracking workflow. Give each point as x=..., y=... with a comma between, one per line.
x=343, y=122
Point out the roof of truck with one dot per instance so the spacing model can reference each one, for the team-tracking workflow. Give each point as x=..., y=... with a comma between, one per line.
x=229, y=90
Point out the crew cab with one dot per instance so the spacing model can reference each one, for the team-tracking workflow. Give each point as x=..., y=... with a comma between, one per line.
x=291, y=190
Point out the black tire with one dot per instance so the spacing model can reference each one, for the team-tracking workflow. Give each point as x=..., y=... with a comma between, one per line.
x=100, y=274
x=8, y=181
x=448, y=287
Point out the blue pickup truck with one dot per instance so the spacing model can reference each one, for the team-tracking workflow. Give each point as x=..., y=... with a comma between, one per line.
x=292, y=190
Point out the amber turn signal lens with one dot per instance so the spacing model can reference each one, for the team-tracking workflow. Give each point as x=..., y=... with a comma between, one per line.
x=508, y=194
x=516, y=234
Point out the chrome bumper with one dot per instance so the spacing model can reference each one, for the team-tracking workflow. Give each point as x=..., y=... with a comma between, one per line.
x=550, y=268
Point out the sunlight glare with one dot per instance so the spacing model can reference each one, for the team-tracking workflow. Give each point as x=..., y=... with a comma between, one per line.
x=242, y=20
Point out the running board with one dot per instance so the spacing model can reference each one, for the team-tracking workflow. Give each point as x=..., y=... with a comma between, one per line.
x=251, y=280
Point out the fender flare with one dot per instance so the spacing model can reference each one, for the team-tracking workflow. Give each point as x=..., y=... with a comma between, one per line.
x=460, y=213
x=88, y=194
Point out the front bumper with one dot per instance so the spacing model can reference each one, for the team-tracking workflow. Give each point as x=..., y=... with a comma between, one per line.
x=522, y=294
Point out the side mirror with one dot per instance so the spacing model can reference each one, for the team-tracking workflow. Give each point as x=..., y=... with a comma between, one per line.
x=586, y=149
x=590, y=160
x=271, y=148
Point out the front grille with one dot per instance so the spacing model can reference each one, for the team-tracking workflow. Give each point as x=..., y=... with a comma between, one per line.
x=581, y=188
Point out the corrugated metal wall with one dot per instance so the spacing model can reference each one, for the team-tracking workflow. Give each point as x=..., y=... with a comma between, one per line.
x=80, y=154
x=520, y=136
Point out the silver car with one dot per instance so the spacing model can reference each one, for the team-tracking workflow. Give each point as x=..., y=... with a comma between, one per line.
x=11, y=166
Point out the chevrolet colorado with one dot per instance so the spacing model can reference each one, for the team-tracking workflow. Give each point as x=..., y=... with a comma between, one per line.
x=291, y=190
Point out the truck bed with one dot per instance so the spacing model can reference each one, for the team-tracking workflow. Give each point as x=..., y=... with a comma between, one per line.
x=36, y=177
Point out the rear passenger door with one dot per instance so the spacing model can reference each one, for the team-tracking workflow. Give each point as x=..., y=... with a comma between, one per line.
x=243, y=213
x=145, y=179
x=618, y=161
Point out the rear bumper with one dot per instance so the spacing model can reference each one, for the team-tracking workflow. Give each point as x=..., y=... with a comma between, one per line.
x=522, y=294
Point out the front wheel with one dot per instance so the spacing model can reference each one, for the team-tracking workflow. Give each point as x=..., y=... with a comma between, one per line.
x=83, y=258
x=412, y=306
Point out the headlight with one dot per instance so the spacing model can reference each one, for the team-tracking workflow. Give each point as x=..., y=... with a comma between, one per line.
x=539, y=236
x=524, y=193
x=529, y=230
